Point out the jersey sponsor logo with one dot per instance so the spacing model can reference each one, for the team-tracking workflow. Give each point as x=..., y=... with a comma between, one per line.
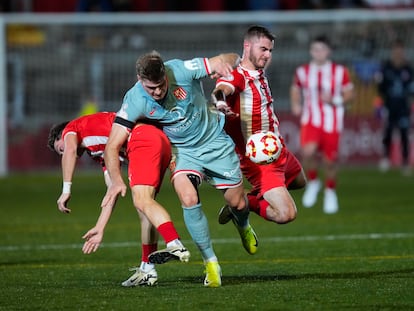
x=192, y=64
x=184, y=123
x=180, y=93
x=232, y=173
x=178, y=112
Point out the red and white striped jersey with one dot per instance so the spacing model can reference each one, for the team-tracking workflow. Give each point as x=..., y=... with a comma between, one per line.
x=252, y=100
x=92, y=132
x=314, y=81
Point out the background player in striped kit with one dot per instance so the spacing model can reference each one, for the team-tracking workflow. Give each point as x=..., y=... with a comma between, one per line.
x=246, y=99
x=318, y=94
x=90, y=134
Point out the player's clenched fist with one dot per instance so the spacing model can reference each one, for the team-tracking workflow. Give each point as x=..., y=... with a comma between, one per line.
x=62, y=203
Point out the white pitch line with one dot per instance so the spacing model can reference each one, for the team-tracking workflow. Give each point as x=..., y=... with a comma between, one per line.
x=368, y=236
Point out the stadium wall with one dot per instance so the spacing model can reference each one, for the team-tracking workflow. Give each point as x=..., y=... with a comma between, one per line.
x=55, y=67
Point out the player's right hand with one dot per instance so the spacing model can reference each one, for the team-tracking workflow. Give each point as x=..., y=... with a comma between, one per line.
x=112, y=193
x=93, y=239
x=224, y=108
x=62, y=203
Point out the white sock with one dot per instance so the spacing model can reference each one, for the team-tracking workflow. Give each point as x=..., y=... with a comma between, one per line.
x=146, y=266
x=211, y=259
x=174, y=243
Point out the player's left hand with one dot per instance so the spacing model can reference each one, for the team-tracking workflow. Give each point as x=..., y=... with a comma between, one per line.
x=223, y=69
x=93, y=239
x=112, y=193
x=214, y=76
x=224, y=108
x=62, y=203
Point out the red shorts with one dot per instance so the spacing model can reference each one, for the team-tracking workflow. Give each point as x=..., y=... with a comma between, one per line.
x=149, y=154
x=328, y=143
x=279, y=173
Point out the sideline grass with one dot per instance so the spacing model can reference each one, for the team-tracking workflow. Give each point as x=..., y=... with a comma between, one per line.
x=359, y=259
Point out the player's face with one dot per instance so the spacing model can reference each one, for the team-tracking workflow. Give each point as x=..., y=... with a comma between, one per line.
x=157, y=90
x=260, y=52
x=319, y=52
x=59, y=146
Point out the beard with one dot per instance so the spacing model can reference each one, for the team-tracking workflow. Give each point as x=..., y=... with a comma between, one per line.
x=257, y=62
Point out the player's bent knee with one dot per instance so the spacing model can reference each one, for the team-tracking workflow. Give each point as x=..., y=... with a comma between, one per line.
x=191, y=197
x=288, y=216
x=281, y=216
x=139, y=205
x=235, y=198
x=142, y=203
x=238, y=203
x=188, y=200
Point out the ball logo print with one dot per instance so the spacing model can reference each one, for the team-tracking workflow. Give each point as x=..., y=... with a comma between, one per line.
x=263, y=147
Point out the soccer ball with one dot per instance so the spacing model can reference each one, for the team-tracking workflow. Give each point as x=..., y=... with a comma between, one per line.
x=263, y=147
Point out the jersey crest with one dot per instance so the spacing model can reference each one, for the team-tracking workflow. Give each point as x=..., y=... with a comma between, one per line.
x=180, y=93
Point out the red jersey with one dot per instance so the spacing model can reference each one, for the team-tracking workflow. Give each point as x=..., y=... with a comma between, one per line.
x=92, y=132
x=314, y=81
x=252, y=99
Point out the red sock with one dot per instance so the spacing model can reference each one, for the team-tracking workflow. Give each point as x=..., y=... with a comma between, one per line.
x=258, y=206
x=146, y=250
x=312, y=174
x=253, y=204
x=168, y=232
x=263, y=204
x=330, y=183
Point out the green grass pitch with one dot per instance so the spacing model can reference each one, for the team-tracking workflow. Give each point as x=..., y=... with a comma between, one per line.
x=359, y=259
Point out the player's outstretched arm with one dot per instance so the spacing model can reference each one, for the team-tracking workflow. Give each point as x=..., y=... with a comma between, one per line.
x=117, y=138
x=218, y=98
x=222, y=65
x=94, y=236
x=69, y=158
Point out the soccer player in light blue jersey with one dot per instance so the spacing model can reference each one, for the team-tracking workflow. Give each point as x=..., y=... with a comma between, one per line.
x=170, y=95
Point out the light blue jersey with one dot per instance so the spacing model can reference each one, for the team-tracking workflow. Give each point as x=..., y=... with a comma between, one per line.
x=183, y=113
x=196, y=133
x=200, y=145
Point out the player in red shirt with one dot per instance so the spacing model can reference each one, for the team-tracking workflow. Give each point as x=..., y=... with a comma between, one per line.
x=246, y=99
x=149, y=154
x=319, y=92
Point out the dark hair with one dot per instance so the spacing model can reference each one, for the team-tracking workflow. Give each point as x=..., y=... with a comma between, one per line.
x=150, y=67
x=322, y=39
x=55, y=134
x=258, y=31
